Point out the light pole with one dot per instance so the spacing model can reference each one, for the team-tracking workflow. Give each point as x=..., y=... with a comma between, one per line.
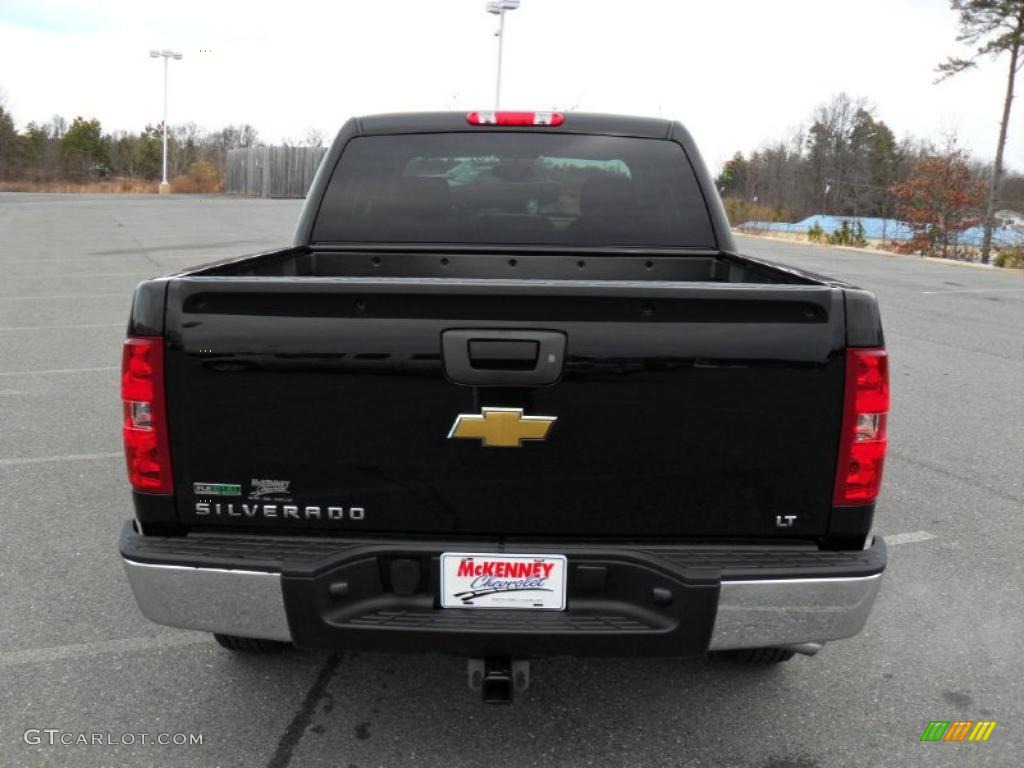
x=498, y=8
x=166, y=54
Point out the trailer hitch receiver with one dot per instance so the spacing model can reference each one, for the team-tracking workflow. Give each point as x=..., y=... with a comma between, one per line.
x=498, y=678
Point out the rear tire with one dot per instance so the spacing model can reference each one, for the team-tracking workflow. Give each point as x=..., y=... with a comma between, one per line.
x=755, y=656
x=250, y=644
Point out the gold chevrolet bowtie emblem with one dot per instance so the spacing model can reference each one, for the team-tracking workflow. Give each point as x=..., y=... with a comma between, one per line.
x=501, y=427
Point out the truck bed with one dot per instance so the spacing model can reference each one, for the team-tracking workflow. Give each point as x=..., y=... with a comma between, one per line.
x=542, y=263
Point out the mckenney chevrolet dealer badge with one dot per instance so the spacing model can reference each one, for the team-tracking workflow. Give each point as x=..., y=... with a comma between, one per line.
x=470, y=580
x=501, y=427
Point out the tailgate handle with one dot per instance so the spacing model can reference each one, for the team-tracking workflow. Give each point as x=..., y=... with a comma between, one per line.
x=503, y=358
x=503, y=354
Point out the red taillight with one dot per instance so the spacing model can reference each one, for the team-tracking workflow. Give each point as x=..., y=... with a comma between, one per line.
x=515, y=118
x=862, y=441
x=145, y=416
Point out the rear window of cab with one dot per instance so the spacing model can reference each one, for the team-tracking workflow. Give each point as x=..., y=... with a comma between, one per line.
x=514, y=188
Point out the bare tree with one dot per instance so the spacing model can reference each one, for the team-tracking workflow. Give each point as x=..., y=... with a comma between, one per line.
x=995, y=27
x=248, y=137
x=8, y=139
x=314, y=138
x=57, y=126
x=833, y=142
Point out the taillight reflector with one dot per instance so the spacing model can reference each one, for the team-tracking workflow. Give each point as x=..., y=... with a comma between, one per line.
x=862, y=441
x=144, y=427
x=515, y=118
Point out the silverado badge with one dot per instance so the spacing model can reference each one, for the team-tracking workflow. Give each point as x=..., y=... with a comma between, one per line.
x=501, y=427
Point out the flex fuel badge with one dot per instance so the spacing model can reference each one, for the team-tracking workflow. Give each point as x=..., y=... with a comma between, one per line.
x=216, y=489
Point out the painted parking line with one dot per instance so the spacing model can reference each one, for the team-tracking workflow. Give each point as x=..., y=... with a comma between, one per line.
x=62, y=260
x=82, y=650
x=57, y=370
x=907, y=538
x=78, y=296
x=61, y=459
x=182, y=247
x=976, y=290
x=143, y=270
x=58, y=327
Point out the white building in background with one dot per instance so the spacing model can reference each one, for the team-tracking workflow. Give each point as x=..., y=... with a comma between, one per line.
x=1010, y=219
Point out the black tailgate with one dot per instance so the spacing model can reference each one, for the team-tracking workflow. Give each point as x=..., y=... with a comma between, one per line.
x=682, y=410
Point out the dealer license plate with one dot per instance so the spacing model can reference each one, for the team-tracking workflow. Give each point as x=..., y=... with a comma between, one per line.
x=474, y=580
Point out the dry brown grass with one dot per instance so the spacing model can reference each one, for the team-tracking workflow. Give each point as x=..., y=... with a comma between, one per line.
x=106, y=186
x=186, y=185
x=201, y=177
x=740, y=211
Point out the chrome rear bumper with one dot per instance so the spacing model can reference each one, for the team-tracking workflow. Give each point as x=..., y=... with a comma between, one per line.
x=758, y=614
x=229, y=602
x=750, y=614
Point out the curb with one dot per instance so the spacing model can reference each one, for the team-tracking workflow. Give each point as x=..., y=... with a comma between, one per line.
x=879, y=252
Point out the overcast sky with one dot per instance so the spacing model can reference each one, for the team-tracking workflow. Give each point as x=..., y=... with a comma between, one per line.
x=736, y=73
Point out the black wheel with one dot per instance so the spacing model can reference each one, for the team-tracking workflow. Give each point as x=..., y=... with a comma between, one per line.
x=755, y=656
x=250, y=644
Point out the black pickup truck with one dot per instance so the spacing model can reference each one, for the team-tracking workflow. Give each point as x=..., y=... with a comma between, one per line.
x=511, y=392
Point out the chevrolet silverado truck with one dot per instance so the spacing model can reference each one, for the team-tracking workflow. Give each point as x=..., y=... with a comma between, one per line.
x=510, y=393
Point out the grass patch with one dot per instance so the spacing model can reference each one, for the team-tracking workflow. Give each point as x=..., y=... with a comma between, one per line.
x=104, y=186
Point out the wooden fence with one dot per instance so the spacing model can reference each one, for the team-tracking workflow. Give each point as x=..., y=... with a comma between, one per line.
x=272, y=171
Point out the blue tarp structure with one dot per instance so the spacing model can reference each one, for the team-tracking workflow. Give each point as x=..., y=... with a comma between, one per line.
x=892, y=229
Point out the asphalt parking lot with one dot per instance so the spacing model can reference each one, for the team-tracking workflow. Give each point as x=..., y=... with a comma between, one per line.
x=945, y=642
